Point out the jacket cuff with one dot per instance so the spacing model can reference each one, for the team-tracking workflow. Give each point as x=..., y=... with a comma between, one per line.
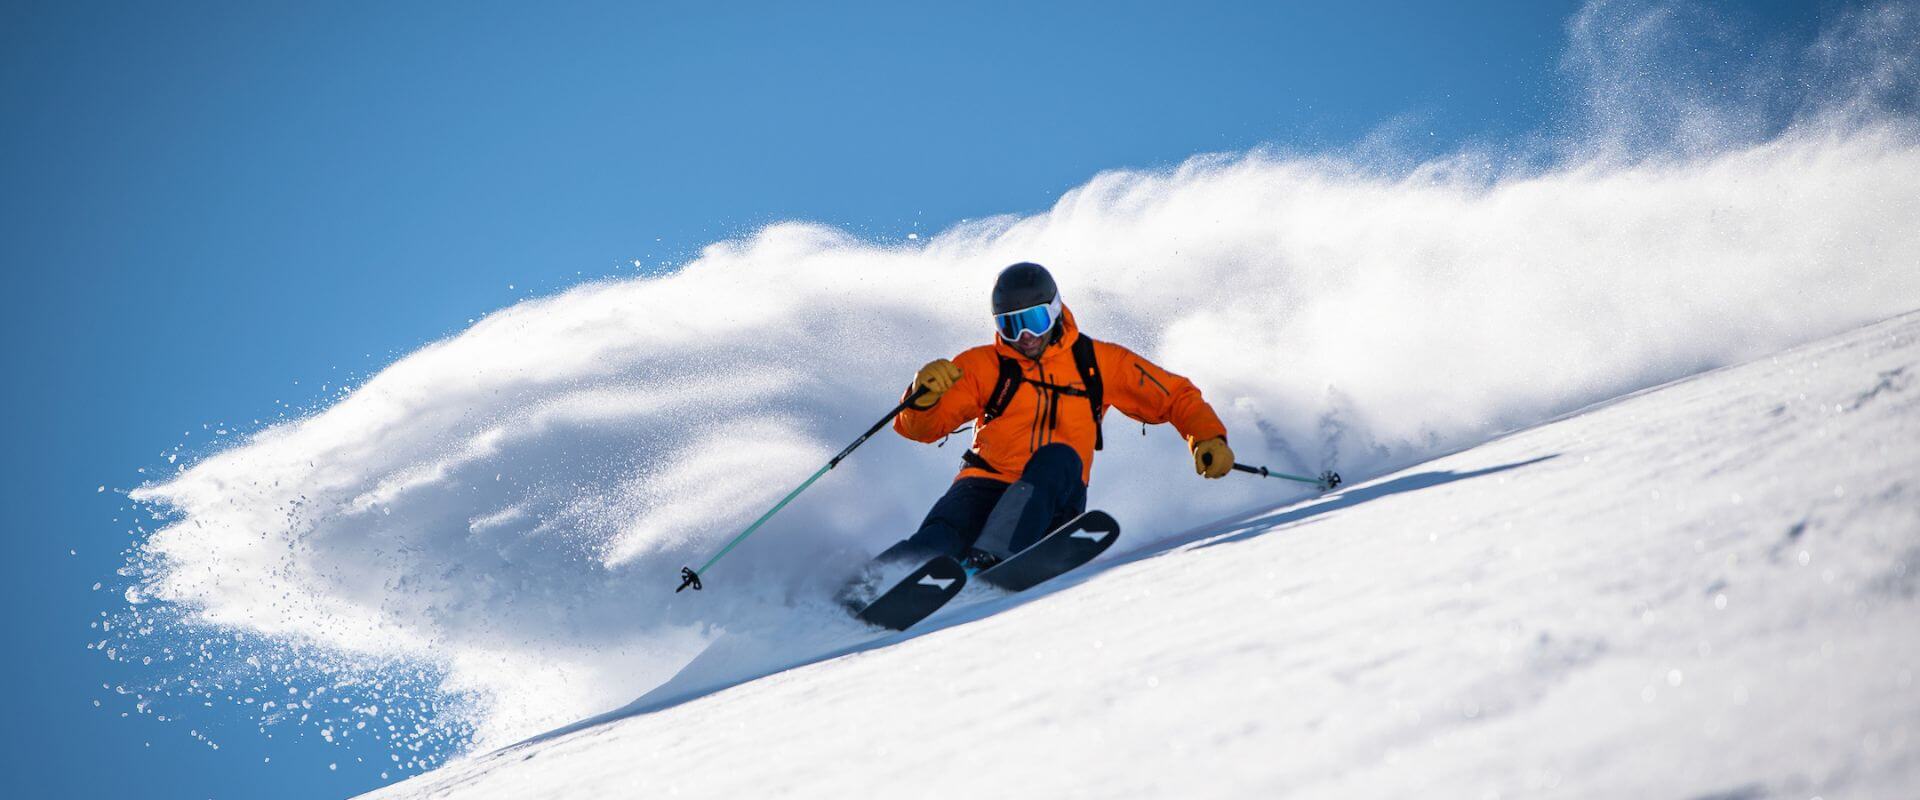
x=1194, y=441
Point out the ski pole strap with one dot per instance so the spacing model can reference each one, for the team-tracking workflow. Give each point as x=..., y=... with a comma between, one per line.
x=690, y=578
x=1326, y=481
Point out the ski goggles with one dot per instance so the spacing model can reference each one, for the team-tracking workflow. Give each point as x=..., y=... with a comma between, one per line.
x=1036, y=320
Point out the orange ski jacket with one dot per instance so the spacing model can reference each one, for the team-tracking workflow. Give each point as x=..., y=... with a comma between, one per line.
x=1037, y=416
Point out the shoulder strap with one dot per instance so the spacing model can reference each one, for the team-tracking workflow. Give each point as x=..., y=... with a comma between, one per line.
x=1084, y=359
x=1003, y=389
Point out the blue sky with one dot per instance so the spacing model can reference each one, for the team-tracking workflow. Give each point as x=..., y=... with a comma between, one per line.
x=212, y=209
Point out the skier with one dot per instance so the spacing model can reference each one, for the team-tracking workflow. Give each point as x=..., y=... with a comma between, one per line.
x=1036, y=398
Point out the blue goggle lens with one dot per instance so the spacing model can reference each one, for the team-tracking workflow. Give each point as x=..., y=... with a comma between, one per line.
x=1037, y=320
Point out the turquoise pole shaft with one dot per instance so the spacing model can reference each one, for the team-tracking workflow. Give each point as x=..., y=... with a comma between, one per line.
x=689, y=579
x=1325, y=482
x=767, y=516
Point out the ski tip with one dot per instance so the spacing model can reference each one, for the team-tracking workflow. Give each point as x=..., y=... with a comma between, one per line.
x=916, y=596
x=1097, y=520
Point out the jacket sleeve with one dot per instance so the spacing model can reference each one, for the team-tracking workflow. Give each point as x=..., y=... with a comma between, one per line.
x=960, y=404
x=1144, y=391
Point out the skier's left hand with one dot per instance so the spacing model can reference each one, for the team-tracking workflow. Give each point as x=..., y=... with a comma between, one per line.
x=1212, y=458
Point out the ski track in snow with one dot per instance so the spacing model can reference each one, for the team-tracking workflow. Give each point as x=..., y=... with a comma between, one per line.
x=1703, y=590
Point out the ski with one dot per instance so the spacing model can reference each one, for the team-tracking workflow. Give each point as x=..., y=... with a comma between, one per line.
x=927, y=588
x=922, y=592
x=1067, y=547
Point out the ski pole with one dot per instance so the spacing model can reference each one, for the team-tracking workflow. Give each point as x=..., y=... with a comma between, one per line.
x=691, y=577
x=1325, y=482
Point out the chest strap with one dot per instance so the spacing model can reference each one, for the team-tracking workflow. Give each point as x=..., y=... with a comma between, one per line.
x=1084, y=362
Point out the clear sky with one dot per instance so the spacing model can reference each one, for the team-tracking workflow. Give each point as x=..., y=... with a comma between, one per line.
x=207, y=210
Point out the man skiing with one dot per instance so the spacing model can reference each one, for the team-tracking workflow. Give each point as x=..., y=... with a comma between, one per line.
x=1036, y=397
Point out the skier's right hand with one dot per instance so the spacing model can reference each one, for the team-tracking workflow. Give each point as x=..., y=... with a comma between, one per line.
x=1212, y=458
x=936, y=378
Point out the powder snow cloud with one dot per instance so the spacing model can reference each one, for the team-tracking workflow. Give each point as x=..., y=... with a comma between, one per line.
x=511, y=504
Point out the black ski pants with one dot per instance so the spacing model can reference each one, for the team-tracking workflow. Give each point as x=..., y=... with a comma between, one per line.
x=997, y=517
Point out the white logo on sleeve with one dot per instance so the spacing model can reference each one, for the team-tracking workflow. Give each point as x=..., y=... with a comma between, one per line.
x=1088, y=535
x=937, y=583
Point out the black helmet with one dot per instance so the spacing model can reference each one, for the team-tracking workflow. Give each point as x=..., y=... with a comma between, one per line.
x=1023, y=285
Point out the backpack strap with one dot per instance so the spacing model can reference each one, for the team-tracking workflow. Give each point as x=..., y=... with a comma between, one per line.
x=1003, y=389
x=1089, y=366
x=997, y=400
x=972, y=459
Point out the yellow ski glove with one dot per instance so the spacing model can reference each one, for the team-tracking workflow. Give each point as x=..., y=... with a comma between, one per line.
x=936, y=377
x=1212, y=458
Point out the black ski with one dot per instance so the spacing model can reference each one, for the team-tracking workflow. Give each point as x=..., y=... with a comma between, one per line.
x=1068, y=546
x=922, y=592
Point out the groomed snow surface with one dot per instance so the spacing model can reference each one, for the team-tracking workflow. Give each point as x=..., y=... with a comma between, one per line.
x=1707, y=589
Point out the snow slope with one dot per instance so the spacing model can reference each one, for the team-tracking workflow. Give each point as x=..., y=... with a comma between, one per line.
x=1707, y=589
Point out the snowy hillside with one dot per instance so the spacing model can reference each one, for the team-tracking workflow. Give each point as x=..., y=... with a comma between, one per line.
x=1703, y=589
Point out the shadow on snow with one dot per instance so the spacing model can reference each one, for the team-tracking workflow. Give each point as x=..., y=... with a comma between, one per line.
x=1251, y=525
